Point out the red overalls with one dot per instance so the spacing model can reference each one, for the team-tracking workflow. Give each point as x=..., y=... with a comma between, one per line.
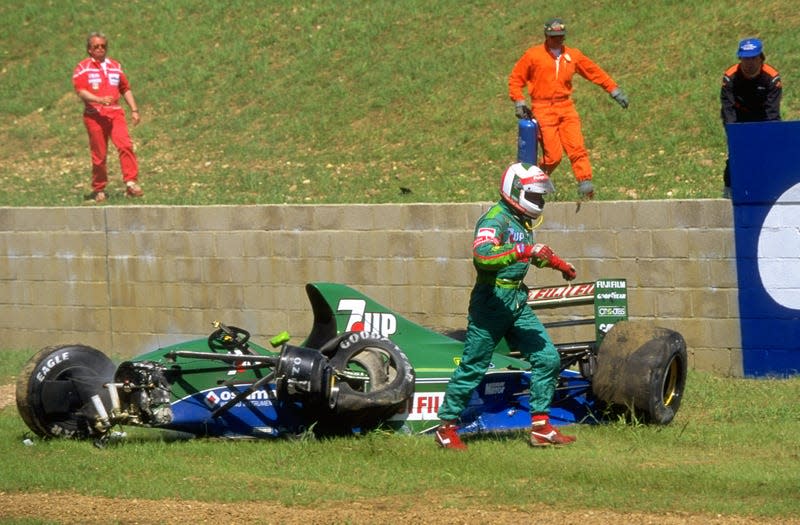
x=103, y=122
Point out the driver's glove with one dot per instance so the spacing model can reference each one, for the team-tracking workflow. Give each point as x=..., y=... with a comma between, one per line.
x=545, y=256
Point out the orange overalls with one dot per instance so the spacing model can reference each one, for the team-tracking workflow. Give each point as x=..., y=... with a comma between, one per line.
x=549, y=81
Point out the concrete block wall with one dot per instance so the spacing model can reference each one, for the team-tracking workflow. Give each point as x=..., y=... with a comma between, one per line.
x=126, y=279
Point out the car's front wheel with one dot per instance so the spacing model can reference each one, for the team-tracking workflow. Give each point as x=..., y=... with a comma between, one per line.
x=55, y=388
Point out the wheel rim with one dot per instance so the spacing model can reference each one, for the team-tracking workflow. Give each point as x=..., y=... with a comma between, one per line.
x=369, y=370
x=670, y=384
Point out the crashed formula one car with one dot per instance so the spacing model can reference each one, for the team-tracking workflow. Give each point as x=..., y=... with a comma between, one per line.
x=362, y=366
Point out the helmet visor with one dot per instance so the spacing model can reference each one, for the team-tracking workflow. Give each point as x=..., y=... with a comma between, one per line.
x=534, y=198
x=542, y=186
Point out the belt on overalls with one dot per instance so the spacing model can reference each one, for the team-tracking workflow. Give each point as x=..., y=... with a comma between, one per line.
x=539, y=102
x=501, y=283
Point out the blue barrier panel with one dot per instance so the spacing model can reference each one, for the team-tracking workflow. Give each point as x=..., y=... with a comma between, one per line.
x=765, y=181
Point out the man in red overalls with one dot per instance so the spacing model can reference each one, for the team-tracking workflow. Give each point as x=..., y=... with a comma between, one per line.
x=99, y=82
x=547, y=70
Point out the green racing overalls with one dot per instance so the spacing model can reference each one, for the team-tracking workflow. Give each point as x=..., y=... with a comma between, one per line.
x=498, y=308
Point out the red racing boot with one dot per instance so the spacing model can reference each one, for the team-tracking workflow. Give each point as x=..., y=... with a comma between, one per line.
x=447, y=436
x=543, y=434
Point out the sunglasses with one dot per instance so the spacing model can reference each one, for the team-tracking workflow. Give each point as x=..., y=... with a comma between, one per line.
x=99, y=46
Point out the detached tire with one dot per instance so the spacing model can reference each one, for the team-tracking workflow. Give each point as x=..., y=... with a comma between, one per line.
x=374, y=378
x=642, y=368
x=55, y=388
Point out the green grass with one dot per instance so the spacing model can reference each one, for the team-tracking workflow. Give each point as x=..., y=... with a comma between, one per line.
x=731, y=450
x=336, y=102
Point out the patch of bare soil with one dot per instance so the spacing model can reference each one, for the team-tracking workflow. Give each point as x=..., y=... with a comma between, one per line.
x=7, y=396
x=76, y=508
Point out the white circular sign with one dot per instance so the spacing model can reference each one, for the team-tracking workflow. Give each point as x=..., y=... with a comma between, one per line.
x=779, y=250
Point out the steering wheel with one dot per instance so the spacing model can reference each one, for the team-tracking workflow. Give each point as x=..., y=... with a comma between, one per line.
x=228, y=338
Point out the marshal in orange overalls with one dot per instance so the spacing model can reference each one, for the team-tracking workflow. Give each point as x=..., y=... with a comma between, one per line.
x=547, y=70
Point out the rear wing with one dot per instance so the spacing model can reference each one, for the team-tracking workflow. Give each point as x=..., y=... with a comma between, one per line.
x=609, y=297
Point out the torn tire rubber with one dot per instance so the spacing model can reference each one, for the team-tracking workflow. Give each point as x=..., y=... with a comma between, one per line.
x=374, y=378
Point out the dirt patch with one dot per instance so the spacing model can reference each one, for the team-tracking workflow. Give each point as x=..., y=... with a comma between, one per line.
x=76, y=508
x=7, y=396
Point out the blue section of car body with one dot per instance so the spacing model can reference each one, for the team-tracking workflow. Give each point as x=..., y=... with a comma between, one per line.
x=260, y=417
x=573, y=403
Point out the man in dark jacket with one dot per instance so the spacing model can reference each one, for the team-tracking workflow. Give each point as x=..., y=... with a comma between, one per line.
x=751, y=92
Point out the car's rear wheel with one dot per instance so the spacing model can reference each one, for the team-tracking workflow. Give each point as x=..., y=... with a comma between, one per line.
x=642, y=369
x=55, y=388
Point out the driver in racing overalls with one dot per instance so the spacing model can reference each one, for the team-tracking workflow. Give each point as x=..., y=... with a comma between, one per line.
x=502, y=250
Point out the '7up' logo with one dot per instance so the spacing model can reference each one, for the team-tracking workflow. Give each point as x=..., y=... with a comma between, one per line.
x=362, y=321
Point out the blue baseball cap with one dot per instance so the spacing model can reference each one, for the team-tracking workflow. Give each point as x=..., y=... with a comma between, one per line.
x=750, y=47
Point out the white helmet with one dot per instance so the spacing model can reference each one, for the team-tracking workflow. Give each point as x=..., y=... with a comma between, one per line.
x=523, y=187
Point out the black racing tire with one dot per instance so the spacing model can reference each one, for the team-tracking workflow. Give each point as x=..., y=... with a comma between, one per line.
x=374, y=379
x=641, y=370
x=55, y=387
